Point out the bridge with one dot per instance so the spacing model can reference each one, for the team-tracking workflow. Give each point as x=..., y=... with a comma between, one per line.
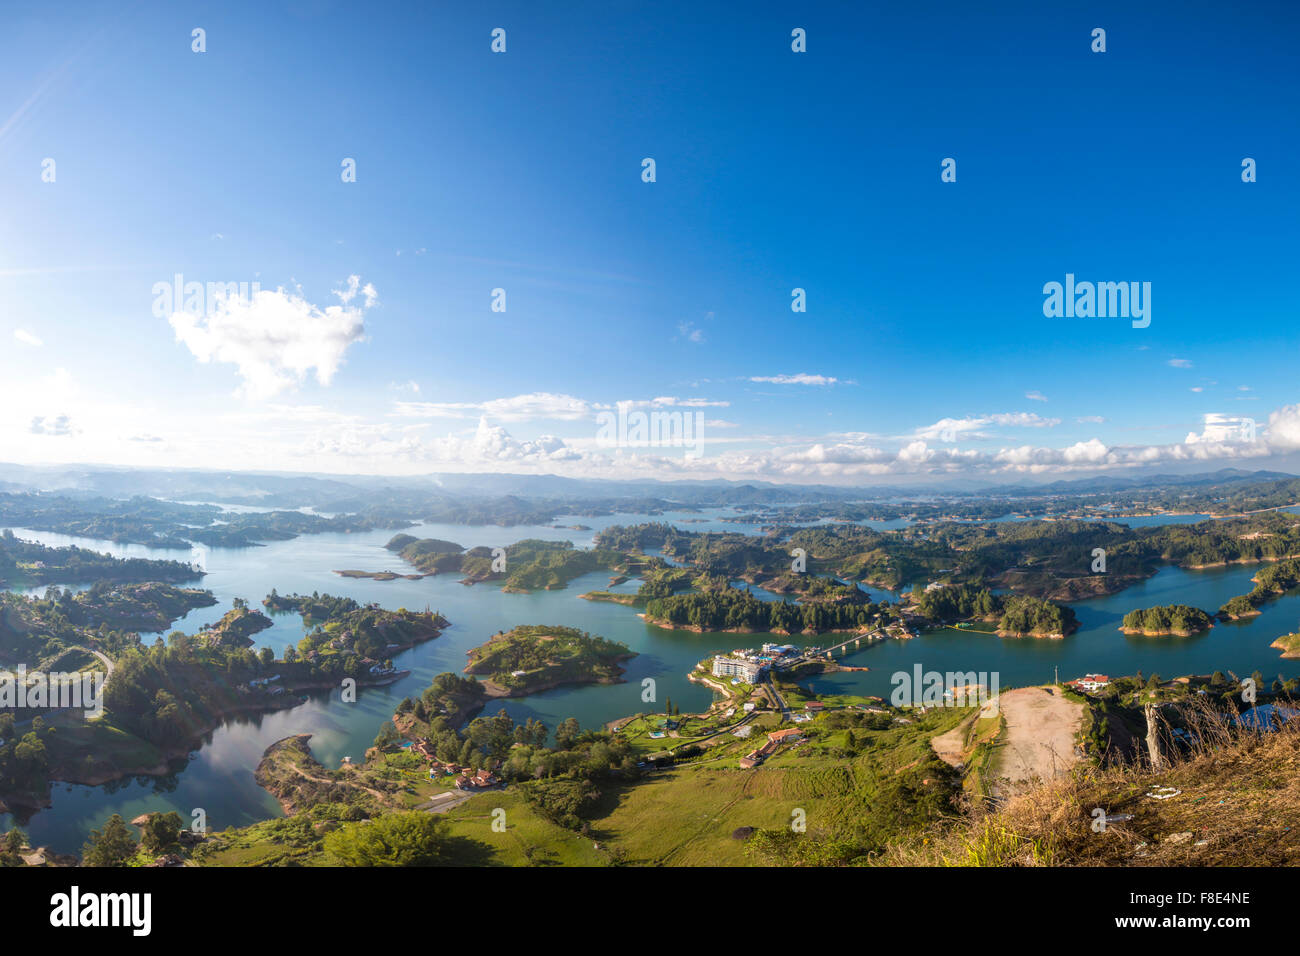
x=855, y=641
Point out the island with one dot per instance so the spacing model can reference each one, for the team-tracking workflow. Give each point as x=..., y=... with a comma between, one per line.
x=535, y=657
x=1178, y=620
x=1289, y=645
x=1015, y=615
x=236, y=627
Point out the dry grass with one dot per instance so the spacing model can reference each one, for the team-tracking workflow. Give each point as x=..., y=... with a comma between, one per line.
x=1238, y=803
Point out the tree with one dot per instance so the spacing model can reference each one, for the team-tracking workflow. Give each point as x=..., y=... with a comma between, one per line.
x=9, y=850
x=160, y=831
x=112, y=846
x=412, y=838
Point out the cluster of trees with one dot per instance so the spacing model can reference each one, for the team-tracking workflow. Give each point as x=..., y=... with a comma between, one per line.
x=652, y=536
x=1255, y=538
x=517, y=752
x=449, y=696
x=729, y=607
x=24, y=762
x=316, y=607
x=116, y=843
x=1014, y=613
x=1022, y=614
x=662, y=580
x=955, y=603
x=411, y=838
x=1167, y=619
x=362, y=631
x=11, y=848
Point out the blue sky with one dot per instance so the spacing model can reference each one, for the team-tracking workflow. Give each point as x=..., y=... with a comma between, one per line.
x=924, y=351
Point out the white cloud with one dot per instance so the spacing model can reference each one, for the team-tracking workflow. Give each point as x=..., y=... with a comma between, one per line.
x=1091, y=419
x=1284, y=428
x=518, y=408
x=670, y=401
x=957, y=429
x=541, y=406
x=51, y=425
x=1223, y=428
x=803, y=378
x=22, y=335
x=691, y=332
x=1180, y=363
x=354, y=286
x=1036, y=396
x=275, y=338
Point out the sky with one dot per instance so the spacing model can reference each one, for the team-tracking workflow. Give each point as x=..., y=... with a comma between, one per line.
x=371, y=180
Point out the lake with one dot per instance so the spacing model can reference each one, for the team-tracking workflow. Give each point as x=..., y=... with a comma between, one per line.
x=219, y=775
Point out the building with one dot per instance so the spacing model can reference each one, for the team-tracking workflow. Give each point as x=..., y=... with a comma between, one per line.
x=751, y=672
x=1090, y=682
x=788, y=736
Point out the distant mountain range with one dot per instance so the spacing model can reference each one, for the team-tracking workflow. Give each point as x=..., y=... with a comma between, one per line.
x=288, y=490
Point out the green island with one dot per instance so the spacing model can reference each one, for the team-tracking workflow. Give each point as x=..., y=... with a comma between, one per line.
x=236, y=627
x=1016, y=615
x=151, y=606
x=1173, y=619
x=1271, y=583
x=532, y=564
x=533, y=657
x=27, y=564
x=1289, y=645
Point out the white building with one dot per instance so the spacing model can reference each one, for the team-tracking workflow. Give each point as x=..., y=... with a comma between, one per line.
x=748, y=671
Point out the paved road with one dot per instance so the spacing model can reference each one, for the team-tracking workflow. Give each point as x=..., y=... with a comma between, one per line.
x=776, y=698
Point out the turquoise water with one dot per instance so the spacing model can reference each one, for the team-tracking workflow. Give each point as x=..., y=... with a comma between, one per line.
x=1098, y=646
x=219, y=775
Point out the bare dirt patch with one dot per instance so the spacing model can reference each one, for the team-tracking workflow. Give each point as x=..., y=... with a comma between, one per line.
x=1038, y=743
x=950, y=747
